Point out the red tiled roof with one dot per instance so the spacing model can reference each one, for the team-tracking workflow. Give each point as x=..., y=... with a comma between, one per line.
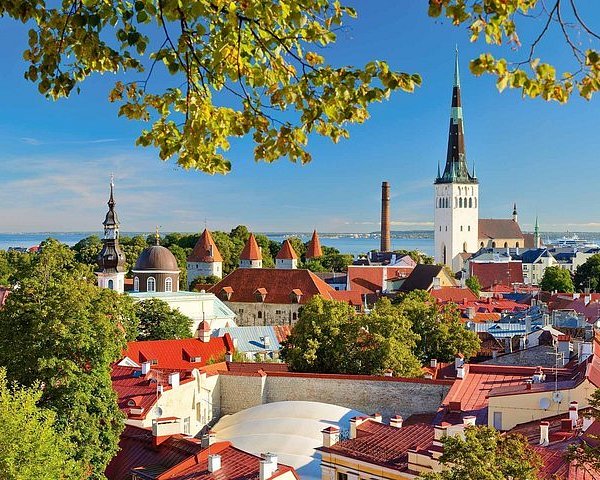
x=136, y=391
x=499, y=228
x=351, y=297
x=472, y=391
x=482, y=317
x=241, y=285
x=384, y=445
x=176, y=354
x=493, y=273
x=286, y=252
x=205, y=249
x=314, y=247
x=251, y=250
x=366, y=278
x=453, y=294
x=181, y=458
x=282, y=332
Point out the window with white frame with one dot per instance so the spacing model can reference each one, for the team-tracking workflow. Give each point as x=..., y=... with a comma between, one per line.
x=186, y=426
x=151, y=284
x=168, y=284
x=136, y=284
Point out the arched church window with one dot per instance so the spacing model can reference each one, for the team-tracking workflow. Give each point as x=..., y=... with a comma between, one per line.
x=447, y=202
x=475, y=202
x=470, y=202
x=111, y=284
x=517, y=245
x=465, y=202
x=493, y=244
x=136, y=284
x=444, y=254
x=168, y=284
x=505, y=244
x=469, y=228
x=460, y=202
x=465, y=247
x=151, y=284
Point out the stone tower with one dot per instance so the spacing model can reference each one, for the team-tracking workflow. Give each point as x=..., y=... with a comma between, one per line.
x=111, y=259
x=456, y=193
x=251, y=256
x=287, y=257
x=205, y=259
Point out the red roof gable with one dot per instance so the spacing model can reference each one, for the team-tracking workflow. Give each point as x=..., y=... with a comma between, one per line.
x=493, y=273
x=351, y=297
x=177, y=354
x=180, y=457
x=366, y=279
x=205, y=249
x=242, y=284
x=286, y=252
x=499, y=228
x=314, y=247
x=251, y=250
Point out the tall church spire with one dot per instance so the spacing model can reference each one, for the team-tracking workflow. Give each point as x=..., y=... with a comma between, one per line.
x=111, y=259
x=456, y=158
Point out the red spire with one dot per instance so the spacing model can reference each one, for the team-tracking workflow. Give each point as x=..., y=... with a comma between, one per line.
x=251, y=250
x=287, y=252
x=205, y=249
x=314, y=247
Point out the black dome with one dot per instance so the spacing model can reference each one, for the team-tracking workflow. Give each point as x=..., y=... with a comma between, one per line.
x=156, y=257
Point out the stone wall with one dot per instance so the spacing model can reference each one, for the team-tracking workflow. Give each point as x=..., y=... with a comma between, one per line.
x=258, y=313
x=388, y=396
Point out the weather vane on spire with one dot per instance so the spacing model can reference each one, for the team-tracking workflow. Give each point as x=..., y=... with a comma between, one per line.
x=157, y=235
x=112, y=179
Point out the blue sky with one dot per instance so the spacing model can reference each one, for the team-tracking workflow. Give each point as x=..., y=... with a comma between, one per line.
x=56, y=157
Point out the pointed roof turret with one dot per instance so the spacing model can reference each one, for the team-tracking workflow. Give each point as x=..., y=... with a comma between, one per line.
x=205, y=250
x=456, y=169
x=111, y=219
x=251, y=250
x=111, y=258
x=287, y=252
x=314, y=247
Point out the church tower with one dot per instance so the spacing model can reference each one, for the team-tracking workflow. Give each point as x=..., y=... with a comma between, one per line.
x=456, y=213
x=111, y=259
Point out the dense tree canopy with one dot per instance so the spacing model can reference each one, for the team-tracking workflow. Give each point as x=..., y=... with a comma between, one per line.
x=486, y=454
x=256, y=68
x=557, y=279
x=59, y=330
x=30, y=444
x=330, y=337
x=473, y=284
x=587, y=276
x=158, y=321
x=441, y=332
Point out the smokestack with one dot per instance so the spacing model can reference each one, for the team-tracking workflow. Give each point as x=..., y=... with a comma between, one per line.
x=386, y=244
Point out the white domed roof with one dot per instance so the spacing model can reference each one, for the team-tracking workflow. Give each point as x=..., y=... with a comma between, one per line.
x=292, y=430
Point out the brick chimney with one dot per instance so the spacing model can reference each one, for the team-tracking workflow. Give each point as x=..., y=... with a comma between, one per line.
x=544, y=433
x=386, y=244
x=268, y=465
x=354, y=423
x=331, y=436
x=214, y=463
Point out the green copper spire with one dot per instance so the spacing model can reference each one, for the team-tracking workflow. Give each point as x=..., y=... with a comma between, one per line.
x=456, y=73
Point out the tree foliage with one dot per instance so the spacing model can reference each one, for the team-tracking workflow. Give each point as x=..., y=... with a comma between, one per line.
x=330, y=337
x=557, y=279
x=586, y=455
x=441, y=332
x=59, y=330
x=253, y=68
x=498, y=22
x=486, y=454
x=30, y=445
x=473, y=284
x=588, y=274
x=158, y=321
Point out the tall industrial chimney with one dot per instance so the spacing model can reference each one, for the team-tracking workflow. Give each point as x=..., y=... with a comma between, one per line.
x=386, y=245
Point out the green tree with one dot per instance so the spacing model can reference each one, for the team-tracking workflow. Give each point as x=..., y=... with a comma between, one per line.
x=556, y=278
x=585, y=455
x=158, y=321
x=132, y=248
x=330, y=337
x=61, y=331
x=441, y=332
x=227, y=249
x=204, y=280
x=181, y=256
x=87, y=250
x=588, y=274
x=473, y=284
x=30, y=444
x=486, y=454
x=11, y=263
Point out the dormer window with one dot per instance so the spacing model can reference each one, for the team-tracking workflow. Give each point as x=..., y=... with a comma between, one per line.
x=260, y=294
x=226, y=293
x=296, y=295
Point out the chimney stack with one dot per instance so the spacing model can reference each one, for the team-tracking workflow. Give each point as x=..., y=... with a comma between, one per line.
x=268, y=465
x=574, y=413
x=544, y=433
x=331, y=436
x=396, y=421
x=386, y=244
x=214, y=463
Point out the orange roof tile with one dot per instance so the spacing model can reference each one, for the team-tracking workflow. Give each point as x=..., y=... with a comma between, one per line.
x=314, y=247
x=366, y=278
x=278, y=284
x=286, y=252
x=251, y=250
x=453, y=294
x=205, y=249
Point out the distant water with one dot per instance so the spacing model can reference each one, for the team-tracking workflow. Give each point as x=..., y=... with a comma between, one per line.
x=344, y=243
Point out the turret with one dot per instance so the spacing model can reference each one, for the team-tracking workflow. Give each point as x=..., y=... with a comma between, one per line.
x=313, y=249
x=287, y=257
x=111, y=259
x=515, y=216
x=205, y=259
x=251, y=256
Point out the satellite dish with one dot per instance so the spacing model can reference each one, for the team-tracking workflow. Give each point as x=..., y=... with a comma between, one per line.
x=557, y=397
x=158, y=411
x=544, y=403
